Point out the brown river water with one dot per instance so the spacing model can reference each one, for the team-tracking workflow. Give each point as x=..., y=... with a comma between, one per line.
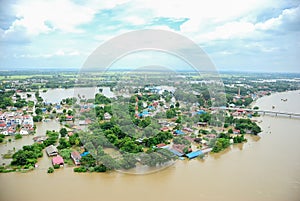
x=266, y=168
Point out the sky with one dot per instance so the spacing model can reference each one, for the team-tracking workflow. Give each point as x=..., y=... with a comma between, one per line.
x=248, y=35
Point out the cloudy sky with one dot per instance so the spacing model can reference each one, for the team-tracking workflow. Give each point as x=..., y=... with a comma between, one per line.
x=248, y=35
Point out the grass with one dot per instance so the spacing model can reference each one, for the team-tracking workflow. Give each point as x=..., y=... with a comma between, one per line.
x=7, y=156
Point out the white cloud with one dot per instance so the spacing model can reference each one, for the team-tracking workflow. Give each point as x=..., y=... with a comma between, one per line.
x=57, y=53
x=286, y=17
x=59, y=28
x=228, y=31
x=134, y=20
x=45, y=16
x=35, y=17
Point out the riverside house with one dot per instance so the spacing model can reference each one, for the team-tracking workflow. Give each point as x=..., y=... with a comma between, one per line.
x=75, y=156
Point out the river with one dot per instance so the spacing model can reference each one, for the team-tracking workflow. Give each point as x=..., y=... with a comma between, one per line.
x=56, y=95
x=266, y=168
x=41, y=128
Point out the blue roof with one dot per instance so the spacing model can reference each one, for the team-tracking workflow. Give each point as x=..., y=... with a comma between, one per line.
x=201, y=112
x=143, y=113
x=85, y=153
x=150, y=107
x=194, y=154
x=179, y=132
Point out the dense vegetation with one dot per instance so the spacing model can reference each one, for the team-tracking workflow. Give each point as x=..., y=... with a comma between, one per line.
x=27, y=156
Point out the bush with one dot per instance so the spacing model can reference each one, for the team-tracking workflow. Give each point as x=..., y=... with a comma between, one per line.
x=91, y=169
x=100, y=168
x=80, y=169
x=50, y=170
x=18, y=136
x=56, y=166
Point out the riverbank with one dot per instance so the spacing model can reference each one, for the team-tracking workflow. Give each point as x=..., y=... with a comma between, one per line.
x=282, y=102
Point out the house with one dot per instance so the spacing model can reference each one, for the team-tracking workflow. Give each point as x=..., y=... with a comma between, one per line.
x=211, y=136
x=200, y=112
x=160, y=145
x=24, y=132
x=198, y=140
x=150, y=107
x=177, y=153
x=188, y=129
x=82, y=123
x=57, y=160
x=145, y=113
x=70, y=133
x=2, y=125
x=202, y=124
x=76, y=157
x=39, y=138
x=164, y=129
x=189, y=138
x=179, y=132
x=107, y=116
x=69, y=118
x=85, y=153
x=4, y=132
x=180, y=147
x=11, y=130
x=204, y=151
x=194, y=154
x=51, y=150
x=235, y=114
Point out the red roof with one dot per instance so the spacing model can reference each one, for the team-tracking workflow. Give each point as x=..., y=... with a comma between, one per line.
x=57, y=160
x=164, y=129
x=160, y=145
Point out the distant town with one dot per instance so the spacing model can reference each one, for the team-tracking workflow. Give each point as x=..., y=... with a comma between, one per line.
x=127, y=122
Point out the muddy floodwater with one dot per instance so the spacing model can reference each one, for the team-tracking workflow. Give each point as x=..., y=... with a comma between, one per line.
x=266, y=168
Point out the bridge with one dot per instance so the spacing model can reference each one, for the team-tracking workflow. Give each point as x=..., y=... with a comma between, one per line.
x=264, y=112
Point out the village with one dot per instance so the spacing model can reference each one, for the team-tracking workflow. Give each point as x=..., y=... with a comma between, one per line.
x=162, y=124
x=189, y=141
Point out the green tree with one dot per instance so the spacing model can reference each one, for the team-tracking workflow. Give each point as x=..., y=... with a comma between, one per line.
x=100, y=168
x=38, y=111
x=170, y=113
x=70, y=112
x=63, y=132
x=37, y=118
x=63, y=143
x=50, y=170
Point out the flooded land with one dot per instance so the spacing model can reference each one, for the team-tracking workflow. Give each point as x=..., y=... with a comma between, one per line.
x=266, y=168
